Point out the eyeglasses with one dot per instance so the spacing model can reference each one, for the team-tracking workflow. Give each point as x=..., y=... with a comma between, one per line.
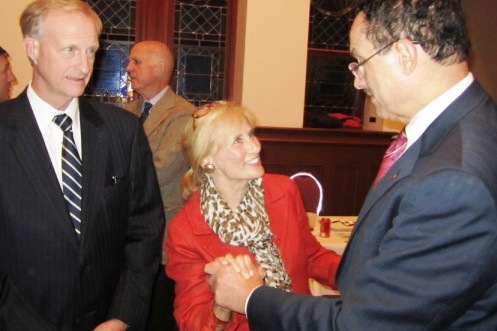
x=354, y=67
x=204, y=110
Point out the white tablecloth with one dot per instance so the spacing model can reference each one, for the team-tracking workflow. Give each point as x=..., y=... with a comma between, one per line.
x=340, y=229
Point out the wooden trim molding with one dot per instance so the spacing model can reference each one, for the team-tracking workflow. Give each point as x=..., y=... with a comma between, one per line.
x=229, y=67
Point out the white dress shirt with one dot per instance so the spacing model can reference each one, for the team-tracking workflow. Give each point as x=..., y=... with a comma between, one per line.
x=51, y=132
x=423, y=119
x=157, y=97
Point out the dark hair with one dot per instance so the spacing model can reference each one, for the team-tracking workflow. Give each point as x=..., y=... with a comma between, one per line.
x=3, y=52
x=438, y=25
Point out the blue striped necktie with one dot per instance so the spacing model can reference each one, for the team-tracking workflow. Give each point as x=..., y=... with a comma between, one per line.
x=71, y=171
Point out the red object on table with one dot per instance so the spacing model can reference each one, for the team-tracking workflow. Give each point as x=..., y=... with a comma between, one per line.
x=325, y=227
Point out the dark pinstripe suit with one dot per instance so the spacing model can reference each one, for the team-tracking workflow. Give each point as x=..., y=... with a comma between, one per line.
x=47, y=276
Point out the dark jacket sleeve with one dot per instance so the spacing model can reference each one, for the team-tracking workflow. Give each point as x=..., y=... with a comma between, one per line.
x=145, y=225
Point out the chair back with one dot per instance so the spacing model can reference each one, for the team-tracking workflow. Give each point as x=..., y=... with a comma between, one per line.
x=311, y=191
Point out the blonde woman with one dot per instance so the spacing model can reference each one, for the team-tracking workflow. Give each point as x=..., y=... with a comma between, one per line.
x=234, y=208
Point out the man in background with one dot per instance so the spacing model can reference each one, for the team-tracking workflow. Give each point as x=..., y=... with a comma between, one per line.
x=423, y=252
x=164, y=115
x=80, y=209
x=7, y=77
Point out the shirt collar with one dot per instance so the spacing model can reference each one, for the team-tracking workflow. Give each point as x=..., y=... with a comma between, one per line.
x=157, y=97
x=423, y=119
x=44, y=113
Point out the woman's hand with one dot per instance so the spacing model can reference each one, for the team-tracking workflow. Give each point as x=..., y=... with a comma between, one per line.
x=112, y=325
x=231, y=280
x=241, y=264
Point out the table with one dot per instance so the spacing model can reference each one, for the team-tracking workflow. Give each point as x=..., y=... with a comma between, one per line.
x=340, y=229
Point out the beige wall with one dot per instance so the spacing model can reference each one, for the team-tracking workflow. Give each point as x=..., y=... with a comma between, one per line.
x=270, y=60
x=11, y=41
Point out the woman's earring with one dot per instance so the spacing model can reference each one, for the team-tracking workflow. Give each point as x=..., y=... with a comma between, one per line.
x=209, y=168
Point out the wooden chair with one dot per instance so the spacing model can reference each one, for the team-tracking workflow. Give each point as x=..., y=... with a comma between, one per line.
x=312, y=197
x=311, y=191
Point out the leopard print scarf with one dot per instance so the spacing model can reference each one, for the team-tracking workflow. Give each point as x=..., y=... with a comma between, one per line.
x=247, y=226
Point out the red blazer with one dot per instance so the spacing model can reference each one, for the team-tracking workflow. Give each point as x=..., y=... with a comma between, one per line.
x=191, y=243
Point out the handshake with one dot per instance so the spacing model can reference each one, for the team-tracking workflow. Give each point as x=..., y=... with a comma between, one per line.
x=233, y=279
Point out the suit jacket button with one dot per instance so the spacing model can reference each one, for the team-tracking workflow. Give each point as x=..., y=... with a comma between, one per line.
x=85, y=270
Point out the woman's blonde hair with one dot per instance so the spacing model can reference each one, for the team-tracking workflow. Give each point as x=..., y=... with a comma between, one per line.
x=209, y=129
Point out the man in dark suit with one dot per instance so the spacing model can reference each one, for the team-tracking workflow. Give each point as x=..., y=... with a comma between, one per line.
x=150, y=68
x=91, y=268
x=423, y=253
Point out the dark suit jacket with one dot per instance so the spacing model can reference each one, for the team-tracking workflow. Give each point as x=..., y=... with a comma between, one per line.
x=47, y=275
x=423, y=254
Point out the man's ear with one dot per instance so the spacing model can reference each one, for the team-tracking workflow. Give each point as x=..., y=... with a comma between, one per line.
x=408, y=56
x=159, y=68
x=31, y=47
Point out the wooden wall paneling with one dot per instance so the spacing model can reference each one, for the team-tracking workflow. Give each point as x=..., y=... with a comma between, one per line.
x=344, y=161
x=342, y=191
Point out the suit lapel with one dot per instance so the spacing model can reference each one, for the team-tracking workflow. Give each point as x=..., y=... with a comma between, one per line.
x=401, y=169
x=28, y=145
x=160, y=111
x=277, y=213
x=94, y=164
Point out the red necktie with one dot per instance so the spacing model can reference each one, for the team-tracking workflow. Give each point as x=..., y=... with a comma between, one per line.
x=394, y=151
